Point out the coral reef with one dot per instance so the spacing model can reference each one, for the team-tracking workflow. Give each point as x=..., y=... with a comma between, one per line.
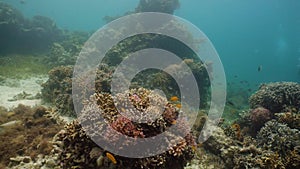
x=25, y=35
x=80, y=151
x=277, y=97
x=66, y=51
x=58, y=90
x=164, y=6
x=26, y=131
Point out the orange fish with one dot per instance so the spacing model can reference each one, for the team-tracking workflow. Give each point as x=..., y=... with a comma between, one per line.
x=174, y=122
x=174, y=98
x=111, y=157
x=178, y=105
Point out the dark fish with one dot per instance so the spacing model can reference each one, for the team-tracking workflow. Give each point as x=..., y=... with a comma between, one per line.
x=230, y=103
x=22, y=2
x=259, y=68
x=235, y=76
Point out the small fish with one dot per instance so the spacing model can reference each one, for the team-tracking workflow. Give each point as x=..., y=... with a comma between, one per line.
x=178, y=106
x=174, y=98
x=123, y=109
x=11, y=123
x=174, y=122
x=111, y=157
x=259, y=68
x=236, y=126
x=230, y=103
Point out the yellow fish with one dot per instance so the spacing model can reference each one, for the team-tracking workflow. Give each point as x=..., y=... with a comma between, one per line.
x=111, y=157
x=174, y=98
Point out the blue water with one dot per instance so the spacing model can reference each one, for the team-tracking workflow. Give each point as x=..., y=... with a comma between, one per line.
x=246, y=33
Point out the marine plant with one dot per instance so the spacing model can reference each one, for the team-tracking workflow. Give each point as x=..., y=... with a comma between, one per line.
x=26, y=131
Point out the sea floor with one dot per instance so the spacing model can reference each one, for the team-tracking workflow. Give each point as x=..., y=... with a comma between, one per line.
x=21, y=91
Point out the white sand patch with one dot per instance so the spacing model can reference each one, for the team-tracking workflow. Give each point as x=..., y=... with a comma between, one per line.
x=12, y=87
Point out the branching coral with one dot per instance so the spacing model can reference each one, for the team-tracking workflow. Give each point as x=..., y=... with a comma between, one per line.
x=78, y=144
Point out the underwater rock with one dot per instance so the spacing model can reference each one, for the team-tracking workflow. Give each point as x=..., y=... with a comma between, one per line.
x=79, y=150
x=277, y=97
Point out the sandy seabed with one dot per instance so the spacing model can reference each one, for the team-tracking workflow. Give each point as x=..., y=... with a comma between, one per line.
x=11, y=88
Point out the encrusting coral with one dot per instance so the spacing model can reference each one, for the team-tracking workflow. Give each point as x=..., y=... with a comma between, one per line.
x=80, y=151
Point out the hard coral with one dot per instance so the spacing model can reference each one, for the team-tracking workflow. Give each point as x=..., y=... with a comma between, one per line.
x=278, y=137
x=77, y=143
x=259, y=116
x=277, y=96
x=58, y=89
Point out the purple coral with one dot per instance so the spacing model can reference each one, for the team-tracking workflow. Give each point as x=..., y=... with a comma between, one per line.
x=259, y=116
